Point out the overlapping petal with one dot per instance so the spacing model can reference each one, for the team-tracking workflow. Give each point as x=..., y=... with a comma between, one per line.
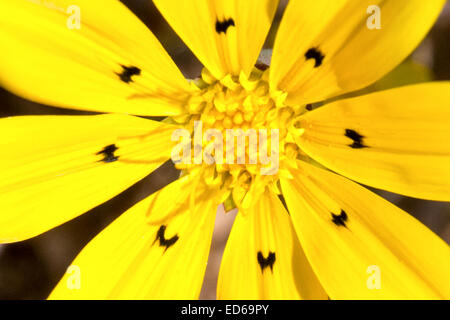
x=263, y=258
x=135, y=259
x=396, y=140
x=360, y=245
x=55, y=168
x=325, y=48
x=112, y=63
x=226, y=36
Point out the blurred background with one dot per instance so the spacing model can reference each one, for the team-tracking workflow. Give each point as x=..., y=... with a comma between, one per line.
x=30, y=269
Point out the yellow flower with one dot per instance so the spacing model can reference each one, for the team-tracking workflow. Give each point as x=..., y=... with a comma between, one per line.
x=332, y=237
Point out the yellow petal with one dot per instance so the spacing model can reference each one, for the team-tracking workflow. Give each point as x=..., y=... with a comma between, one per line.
x=112, y=63
x=132, y=259
x=263, y=258
x=226, y=36
x=360, y=245
x=395, y=140
x=409, y=72
x=55, y=168
x=325, y=48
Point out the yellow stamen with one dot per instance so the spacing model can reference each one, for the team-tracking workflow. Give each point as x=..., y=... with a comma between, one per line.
x=241, y=103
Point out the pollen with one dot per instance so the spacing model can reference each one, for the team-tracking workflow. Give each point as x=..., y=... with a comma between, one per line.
x=242, y=132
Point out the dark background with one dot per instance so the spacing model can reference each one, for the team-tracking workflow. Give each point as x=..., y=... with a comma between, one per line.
x=30, y=269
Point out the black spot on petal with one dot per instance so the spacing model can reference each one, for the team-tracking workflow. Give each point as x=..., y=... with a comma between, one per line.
x=315, y=54
x=163, y=242
x=108, y=153
x=340, y=219
x=266, y=262
x=222, y=26
x=128, y=72
x=356, y=137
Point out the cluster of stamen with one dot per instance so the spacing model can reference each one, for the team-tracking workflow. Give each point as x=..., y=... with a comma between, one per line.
x=239, y=103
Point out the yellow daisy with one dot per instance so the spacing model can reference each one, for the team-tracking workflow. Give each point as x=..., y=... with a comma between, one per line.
x=331, y=237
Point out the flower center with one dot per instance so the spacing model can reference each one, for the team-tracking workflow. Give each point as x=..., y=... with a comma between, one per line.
x=241, y=134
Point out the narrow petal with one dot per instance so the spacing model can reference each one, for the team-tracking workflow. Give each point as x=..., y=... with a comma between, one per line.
x=132, y=259
x=325, y=48
x=226, y=36
x=112, y=63
x=263, y=258
x=395, y=140
x=55, y=168
x=360, y=245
